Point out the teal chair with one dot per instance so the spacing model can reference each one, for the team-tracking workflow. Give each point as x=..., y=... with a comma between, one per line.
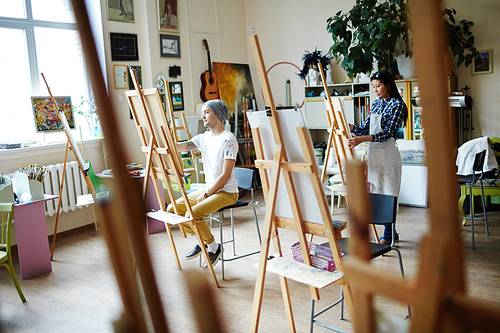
x=6, y=211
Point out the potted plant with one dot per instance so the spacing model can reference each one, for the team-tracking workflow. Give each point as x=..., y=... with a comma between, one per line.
x=368, y=32
x=310, y=64
x=88, y=110
x=460, y=38
x=372, y=29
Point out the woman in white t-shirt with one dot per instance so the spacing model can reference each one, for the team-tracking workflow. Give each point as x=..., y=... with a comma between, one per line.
x=219, y=149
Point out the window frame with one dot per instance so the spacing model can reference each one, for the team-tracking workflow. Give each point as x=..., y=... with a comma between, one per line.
x=28, y=25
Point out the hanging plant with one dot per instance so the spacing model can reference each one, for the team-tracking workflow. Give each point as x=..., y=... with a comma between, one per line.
x=311, y=59
x=460, y=38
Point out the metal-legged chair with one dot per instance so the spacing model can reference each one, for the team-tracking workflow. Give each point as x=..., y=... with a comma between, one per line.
x=470, y=180
x=384, y=209
x=245, y=181
x=6, y=213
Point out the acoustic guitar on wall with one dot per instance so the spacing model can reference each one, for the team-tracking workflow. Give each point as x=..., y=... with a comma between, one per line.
x=209, y=89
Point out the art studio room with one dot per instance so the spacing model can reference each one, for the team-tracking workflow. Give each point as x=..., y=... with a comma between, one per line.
x=249, y=165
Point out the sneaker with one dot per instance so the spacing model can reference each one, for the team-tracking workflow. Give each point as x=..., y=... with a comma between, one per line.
x=396, y=239
x=214, y=257
x=194, y=253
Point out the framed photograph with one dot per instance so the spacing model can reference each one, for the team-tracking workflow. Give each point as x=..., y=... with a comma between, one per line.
x=177, y=96
x=168, y=16
x=46, y=119
x=170, y=46
x=120, y=75
x=120, y=10
x=483, y=63
x=138, y=73
x=124, y=47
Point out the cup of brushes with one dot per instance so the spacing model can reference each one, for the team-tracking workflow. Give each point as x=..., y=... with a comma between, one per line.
x=28, y=183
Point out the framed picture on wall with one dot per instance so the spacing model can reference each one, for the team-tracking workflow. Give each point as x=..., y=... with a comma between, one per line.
x=120, y=75
x=177, y=96
x=170, y=46
x=138, y=73
x=483, y=63
x=124, y=47
x=168, y=16
x=120, y=10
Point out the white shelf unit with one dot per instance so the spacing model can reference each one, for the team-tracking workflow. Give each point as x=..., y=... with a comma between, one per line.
x=409, y=87
x=355, y=105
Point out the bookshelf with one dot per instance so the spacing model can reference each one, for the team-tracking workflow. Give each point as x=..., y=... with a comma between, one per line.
x=356, y=103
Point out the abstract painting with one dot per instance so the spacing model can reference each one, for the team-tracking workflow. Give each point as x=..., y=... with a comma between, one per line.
x=234, y=82
x=46, y=119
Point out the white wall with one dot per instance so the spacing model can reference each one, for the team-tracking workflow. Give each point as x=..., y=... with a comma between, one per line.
x=484, y=87
x=286, y=29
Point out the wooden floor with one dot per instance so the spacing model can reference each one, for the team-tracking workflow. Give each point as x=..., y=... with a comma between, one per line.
x=81, y=295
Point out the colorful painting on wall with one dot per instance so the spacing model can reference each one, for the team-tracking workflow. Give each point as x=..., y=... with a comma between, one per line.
x=235, y=82
x=46, y=119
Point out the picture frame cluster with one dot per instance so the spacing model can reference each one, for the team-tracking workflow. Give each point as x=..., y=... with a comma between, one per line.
x=124, y=46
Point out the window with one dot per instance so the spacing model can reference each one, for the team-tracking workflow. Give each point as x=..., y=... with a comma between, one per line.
x=40, y=36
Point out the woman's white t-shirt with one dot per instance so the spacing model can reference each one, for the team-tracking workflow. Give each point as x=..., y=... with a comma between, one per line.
x=214, y=150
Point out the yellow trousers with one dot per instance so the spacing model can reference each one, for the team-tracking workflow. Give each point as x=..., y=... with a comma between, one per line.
x=203, y=209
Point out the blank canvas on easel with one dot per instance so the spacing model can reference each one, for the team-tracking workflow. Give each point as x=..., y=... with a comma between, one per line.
x=290, y=119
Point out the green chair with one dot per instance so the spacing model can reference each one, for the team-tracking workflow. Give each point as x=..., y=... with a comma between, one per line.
x=6, y=212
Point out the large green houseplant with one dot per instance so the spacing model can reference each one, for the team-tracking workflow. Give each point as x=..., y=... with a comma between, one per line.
x=372, y=29
x=369, y=31
x=460, y=38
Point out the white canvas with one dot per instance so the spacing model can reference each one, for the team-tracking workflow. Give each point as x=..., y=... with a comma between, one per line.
x=289, y=119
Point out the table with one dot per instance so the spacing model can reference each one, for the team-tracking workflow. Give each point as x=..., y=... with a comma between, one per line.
x=31, y=234
x=152, y=225
x=476, y=191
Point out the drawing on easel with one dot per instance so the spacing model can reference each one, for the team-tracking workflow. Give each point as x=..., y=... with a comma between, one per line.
x=46, y=119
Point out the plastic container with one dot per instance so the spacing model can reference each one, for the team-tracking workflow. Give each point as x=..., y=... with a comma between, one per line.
x=321, y=257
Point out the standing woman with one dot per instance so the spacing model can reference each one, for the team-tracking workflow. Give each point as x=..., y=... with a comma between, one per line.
x=380, y=129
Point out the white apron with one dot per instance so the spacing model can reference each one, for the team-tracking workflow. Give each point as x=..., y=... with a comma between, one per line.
x=384, y=162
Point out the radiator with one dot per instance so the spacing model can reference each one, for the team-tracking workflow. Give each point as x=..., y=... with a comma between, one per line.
x=74, y=185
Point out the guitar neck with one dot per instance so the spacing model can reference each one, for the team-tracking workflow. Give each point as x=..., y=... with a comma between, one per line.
x=209, y=65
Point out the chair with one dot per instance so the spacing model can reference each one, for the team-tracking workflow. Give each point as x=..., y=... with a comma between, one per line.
x=245, y=181
x=384, y=209
x=6, y=211
x=469, y=181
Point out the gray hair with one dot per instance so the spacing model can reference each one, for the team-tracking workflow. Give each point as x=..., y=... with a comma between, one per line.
x=219, y=108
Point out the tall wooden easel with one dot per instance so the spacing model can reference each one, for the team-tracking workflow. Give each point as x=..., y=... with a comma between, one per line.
x=437, y=294
x=162, y=161
x=169, y=108
x=281, y=180
x=339, y=132
x=84, y=167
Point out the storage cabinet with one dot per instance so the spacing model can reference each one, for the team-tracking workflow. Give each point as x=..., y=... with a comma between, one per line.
x=356, y=103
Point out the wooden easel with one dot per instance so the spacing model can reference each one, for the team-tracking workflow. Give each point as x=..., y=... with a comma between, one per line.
x=162, y=161
x=282, y=165
x=437, y=294
x=84, y=168
x=338, y=129
x=339, y=132
x=169, y=108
